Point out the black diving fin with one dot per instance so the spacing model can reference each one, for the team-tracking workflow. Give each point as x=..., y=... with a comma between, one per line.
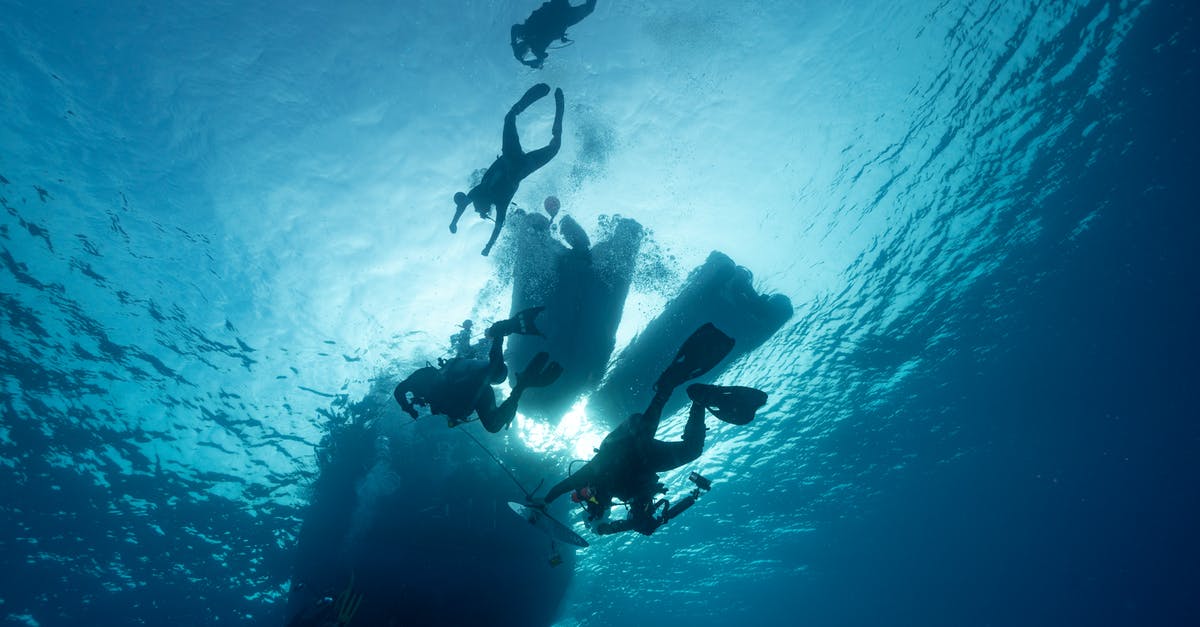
x=703, y=350
x=540, y=372
x=734, y=404
x=523, y=323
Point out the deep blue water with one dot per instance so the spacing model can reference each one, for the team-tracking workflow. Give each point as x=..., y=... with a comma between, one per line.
x=224, y=233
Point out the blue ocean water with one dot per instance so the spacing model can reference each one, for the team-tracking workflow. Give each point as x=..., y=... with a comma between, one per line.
x=224, y=239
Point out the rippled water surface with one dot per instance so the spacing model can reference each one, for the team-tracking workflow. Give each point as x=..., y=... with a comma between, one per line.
x=225, y=223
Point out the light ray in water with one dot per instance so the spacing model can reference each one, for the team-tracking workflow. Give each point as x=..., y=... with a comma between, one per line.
x=574, y=436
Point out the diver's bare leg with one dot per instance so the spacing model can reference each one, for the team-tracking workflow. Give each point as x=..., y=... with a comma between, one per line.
x=543, y=155
x=512, y=143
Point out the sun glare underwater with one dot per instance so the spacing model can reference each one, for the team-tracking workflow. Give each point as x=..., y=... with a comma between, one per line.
x=954, y=242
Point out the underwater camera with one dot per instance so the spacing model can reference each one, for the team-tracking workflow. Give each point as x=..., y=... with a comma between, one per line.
x=682, y=505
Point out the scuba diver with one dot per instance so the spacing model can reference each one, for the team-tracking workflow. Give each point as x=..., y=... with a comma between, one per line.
x=627, y=464
x=502, y=179
x=546, y=24
x=463, y=347
x=462, y=386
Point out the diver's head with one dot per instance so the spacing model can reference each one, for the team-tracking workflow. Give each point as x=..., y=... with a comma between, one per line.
x=467, y=324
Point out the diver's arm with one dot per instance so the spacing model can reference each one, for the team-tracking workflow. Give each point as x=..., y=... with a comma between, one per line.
x=562, y=487
x=580, y=478
x=401, y=394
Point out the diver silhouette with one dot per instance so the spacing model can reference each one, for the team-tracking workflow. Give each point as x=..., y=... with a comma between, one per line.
x=546, y=24
x=462, y=346
x=461, y=386
x=627, y=464
x=502, y=179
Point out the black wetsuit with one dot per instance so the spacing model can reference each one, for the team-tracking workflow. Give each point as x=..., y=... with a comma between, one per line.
x=627, y=464
x=460, y=387
x=544, y=26
x=502, y=179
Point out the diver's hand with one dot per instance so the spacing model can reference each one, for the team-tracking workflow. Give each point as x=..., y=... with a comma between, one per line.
x=401, y=395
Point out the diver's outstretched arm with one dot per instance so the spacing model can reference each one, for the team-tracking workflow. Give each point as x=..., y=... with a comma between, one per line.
x=583, y=477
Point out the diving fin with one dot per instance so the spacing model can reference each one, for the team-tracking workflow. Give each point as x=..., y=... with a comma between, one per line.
x=521, y=324
x=540, y=372
x=732, y=403
x=549, y=375
x=532, y=95
x=703, y=350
